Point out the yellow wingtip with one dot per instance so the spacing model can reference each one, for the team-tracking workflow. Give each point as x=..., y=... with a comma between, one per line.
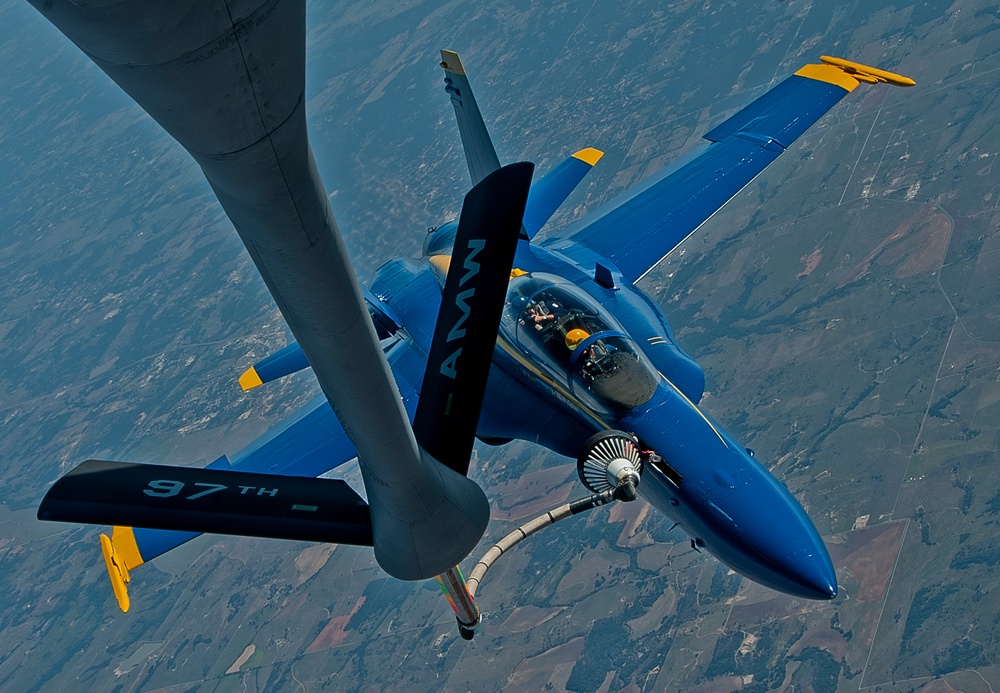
x=849, y=74
x=589, y=155
x=121, y=555
x=861, y=71
x=249, y=380
x=452, y=63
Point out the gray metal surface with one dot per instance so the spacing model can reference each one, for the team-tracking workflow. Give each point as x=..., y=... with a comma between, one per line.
x=227, y=81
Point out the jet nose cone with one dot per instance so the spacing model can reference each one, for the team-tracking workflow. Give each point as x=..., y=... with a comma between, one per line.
x=812, y=574
x=779, y=543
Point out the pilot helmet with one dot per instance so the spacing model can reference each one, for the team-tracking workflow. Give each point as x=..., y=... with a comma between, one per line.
x=574, y=337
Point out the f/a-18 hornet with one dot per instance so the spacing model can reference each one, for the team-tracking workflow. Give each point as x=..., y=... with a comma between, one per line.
x=433, y=353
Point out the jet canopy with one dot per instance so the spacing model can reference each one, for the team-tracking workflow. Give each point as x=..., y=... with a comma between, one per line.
x=566, y=334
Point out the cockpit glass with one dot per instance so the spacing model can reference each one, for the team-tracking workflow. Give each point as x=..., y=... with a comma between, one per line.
x=571, y=337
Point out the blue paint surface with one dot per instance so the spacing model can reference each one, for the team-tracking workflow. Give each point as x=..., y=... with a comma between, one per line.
x=580, y=356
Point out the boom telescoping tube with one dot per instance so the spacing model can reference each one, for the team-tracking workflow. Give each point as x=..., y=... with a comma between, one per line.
x=453, y=585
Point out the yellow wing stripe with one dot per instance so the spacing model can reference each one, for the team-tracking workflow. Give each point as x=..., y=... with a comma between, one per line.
x=830, y=75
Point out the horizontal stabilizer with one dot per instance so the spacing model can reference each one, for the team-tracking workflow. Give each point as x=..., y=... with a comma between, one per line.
x=291, y=359
x=552, y=190
x=209, y=500
x=279, y=364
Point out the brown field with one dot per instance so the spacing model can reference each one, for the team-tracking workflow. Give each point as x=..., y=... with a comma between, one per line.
x=533, y=673
x=918, y=245
x=869, y=555
x=823, y=638
x=524, y=618
x=531, y=494
x=334, y=632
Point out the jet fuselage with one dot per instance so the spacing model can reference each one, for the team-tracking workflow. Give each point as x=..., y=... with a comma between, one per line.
x=580, y=351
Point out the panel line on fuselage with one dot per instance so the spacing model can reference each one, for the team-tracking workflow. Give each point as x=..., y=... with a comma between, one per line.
x=695, y=407
x=513, y=352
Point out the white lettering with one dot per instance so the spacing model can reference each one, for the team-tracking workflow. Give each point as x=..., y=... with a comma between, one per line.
x=457, y=331
x=164, y=488
x=472, y=268
x=448, y=365
x=210, y=488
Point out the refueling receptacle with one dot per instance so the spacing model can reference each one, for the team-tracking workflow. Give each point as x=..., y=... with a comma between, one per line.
x=611, y=461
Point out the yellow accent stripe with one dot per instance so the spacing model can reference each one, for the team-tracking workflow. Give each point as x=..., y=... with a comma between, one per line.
x=121, y=555
x=695, y=407
x=123, y=540
x=589, y=155
x=442, y=263
x=519, y=357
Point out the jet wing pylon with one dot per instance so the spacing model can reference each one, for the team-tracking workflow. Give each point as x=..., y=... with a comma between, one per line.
x=642, y=227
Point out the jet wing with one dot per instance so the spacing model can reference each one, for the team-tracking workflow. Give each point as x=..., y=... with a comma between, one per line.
x=642, y=227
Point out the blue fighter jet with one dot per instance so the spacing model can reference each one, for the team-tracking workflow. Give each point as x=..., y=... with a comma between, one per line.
x=435, y=350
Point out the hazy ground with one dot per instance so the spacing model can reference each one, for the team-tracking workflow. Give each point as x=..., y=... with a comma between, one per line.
x=844, y=307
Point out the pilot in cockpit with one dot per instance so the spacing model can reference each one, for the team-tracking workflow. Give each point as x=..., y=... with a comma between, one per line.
x=574, y=337
x=539, y=314
x=568, y=335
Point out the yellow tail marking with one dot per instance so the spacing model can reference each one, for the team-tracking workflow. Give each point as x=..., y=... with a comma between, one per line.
x=249, y=380
x=589, y=155
x=121, y=555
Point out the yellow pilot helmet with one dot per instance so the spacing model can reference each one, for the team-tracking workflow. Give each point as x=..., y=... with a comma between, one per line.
x=574, y=337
